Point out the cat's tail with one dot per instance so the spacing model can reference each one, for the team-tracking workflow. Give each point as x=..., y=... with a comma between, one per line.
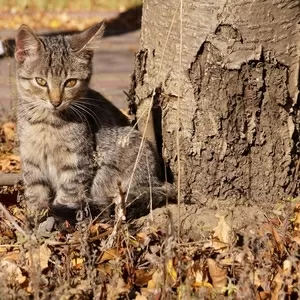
x=140, y=203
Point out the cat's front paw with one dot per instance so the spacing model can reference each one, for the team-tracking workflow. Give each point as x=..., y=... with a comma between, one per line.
x=70, y=211
x=36, y=210
x=36, y=204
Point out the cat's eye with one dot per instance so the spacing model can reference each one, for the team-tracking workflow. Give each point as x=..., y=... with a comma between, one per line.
x=40, y=81
x=70, y=83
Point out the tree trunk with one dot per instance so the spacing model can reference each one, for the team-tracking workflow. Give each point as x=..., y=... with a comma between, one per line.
x=237, y=90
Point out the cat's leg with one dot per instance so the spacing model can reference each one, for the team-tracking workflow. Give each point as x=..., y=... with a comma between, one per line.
x=38, y=191
x=109, y=186
x=104, y=190
x=73, y=192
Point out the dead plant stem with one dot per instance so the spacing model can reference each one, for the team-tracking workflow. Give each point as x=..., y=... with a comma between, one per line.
x=179, y=96
x=10, y=218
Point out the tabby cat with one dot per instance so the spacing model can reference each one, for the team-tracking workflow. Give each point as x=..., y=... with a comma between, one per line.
x=76, y=147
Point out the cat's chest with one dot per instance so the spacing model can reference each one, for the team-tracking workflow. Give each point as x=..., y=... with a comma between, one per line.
x=41, y=139
x=49, y=147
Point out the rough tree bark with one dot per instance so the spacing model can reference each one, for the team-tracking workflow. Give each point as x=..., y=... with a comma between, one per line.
x=239, y=95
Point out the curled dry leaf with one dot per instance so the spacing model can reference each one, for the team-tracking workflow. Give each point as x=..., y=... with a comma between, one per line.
x=277, y=238
x=260, y=279
x=217, y=274
x=105, y=269
x=223, y=231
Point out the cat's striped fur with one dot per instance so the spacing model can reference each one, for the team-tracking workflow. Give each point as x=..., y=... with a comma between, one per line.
x=76, y=147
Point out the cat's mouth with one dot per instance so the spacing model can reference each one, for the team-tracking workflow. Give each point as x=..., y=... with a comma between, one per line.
x=58, y=108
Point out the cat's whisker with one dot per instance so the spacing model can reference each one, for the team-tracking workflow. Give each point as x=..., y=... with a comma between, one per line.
x=97, y=105
x=76, y=113
x=28, y=107
x=89, y=112
x=89, y=109
x=81, y=116
x=81, y=113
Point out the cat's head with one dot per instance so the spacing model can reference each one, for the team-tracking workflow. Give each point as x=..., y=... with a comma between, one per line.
x=53, y=71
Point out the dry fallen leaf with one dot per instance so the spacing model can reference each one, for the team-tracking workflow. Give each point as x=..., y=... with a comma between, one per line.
x=39, y=256
x=77, y=262
x=217, y=274
x=109, y=255
x=12, y=256
x=223, y=236
x=6, y=230
x=156, y=281
x=143, y=276
x=105, y=269
x=277, y=281
x=140, y=297
x=171, y=271
x=297, y=218
x=278, y=240
x=9, y=130
x=223, y=231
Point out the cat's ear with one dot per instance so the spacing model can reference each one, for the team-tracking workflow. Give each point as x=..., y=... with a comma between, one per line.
x=88, y=39
x=27, y=44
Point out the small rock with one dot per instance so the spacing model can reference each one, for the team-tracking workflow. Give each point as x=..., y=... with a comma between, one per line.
x=46, y=226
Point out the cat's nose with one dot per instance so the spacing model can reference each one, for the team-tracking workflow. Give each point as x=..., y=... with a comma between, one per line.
x=55, y=97
x=56, y=103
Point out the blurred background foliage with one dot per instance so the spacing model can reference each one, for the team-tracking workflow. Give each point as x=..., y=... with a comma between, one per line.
x=63, y=5
x=62, y=14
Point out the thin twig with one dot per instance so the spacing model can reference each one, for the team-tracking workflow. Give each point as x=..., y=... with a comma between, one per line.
x=150, y=190
x=178, y=121
x=10, y=218
x=10, y=245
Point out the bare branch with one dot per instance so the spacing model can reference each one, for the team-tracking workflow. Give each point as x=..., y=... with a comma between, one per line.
x=10, y=179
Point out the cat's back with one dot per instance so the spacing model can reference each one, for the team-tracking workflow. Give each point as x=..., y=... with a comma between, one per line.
x=102, y=113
